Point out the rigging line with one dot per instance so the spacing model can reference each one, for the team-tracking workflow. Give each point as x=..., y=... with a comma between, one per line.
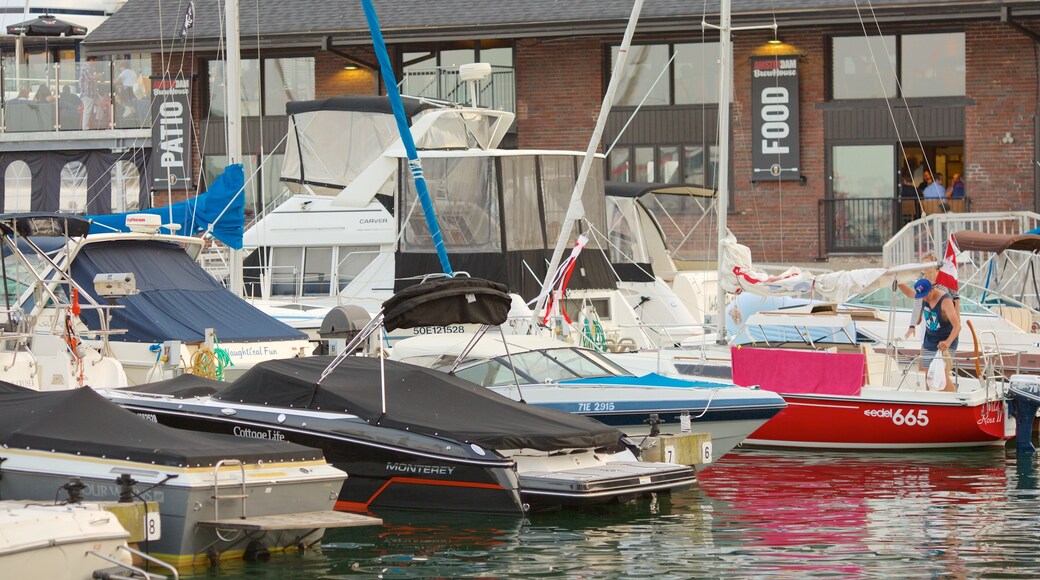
x=891, y=112
x=632, y=117
x=258, y=196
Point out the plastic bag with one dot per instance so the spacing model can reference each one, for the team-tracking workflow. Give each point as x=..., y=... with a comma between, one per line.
x=935, y=379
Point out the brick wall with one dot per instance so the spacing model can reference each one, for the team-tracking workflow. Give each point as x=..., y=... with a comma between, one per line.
x=777, y=221
x=559, y=90
x=332, y=80
x=1002, y=80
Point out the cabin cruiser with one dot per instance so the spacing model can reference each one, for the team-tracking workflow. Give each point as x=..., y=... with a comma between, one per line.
x=557, y=375
x=153, y=308
x=75, y=442
x=353, y=232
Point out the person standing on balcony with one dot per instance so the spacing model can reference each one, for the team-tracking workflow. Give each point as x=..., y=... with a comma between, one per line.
x=926, y=180
x=935, y=189
x=88, y=91
x=956, y=189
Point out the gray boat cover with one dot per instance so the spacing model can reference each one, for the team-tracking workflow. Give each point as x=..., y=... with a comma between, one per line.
x=418, y=400
x=82, y=422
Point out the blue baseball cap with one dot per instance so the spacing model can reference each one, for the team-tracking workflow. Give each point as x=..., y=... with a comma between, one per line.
x=922, y=287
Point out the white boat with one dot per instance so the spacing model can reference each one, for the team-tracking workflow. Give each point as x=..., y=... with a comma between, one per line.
x=152, y=308
x=556, y=375
x=59, y=542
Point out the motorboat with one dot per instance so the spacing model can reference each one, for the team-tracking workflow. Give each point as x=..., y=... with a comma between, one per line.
x=426, y=441
x=59, y=542
x=416, y=438
x=554, y=374
x=74, y=444
x=158, y=312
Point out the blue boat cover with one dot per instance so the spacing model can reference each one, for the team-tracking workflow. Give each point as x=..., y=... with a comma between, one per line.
x=222, y=207
x=176, y=300
x=650, y=380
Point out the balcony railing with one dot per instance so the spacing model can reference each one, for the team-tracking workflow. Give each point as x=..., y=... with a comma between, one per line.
x=497, y=91
x=863, y=225
x=82, y=96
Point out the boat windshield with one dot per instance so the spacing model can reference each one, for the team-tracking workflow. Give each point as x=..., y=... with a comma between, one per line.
x=540, y=366
x=881, y=297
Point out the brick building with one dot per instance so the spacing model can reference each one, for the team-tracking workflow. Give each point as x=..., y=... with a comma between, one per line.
x=958, y=92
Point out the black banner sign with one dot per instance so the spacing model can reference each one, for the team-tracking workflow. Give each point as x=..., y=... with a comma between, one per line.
x=774, y=106
x=171, y=134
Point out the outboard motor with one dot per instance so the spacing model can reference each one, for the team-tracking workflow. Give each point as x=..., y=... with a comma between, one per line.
x=1023, y=401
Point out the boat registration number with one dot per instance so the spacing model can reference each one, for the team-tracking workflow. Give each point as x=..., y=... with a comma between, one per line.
x=593, y=407
x=450, y=329
x=918, y=418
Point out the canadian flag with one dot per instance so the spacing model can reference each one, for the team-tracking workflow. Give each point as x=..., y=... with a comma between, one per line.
x=947, y=275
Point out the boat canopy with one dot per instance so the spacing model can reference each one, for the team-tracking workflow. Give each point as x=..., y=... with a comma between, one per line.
x=44, y=224
x=972, y=241
x=82, y=422
x=176, y=299
x=447, y=301
x=418, y=400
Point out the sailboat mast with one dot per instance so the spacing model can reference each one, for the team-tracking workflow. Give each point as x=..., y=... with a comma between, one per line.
x=722, y=170
x=575, y=210
x=233, y=70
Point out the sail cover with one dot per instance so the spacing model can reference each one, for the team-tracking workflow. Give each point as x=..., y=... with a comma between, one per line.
x=739, y=275
x=221, y=211
x=82, y=422
x=176, y=299
x=418, y=400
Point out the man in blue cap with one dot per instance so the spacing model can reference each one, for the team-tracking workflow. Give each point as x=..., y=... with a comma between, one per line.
x=942, y=325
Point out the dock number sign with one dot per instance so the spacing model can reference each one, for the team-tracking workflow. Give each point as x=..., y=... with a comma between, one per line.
x=774, y=106
x=171, y=134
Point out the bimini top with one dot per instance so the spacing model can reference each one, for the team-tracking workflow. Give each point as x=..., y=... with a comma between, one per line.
x=445, y=301
x=418, y=400
x=176, y=299
x=82, y=422
x=635, y=189
x=968, y=240
x=44, y=224
x=366, y=104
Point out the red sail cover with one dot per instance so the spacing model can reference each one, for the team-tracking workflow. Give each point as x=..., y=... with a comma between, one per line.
x=799, y=371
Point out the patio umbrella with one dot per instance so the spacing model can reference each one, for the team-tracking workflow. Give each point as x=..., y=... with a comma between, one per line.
x=46, y=25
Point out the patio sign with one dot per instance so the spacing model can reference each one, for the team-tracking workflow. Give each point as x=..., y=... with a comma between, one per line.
x=171, y=134
x=774, y=107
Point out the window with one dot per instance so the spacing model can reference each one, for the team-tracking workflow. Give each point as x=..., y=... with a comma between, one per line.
x=663, y=164
x=692, y=78
x=72, y=196
x=352, y=260
x=434, y=74
x=282, y=79
x=17, y=187
x=126, y=187
x=929, y=65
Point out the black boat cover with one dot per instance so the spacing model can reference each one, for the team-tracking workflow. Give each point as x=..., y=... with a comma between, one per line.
x=176, y=299
x=445, y=301
x=182, y=387
x=82, y=422
x=419, y=400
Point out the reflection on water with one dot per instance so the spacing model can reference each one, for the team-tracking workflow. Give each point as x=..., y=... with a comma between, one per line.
x=756, y=513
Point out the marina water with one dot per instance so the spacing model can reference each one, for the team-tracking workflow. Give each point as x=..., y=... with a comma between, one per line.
x=756, y=514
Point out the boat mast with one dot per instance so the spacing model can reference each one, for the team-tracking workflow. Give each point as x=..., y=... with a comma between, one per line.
x=725, y=94
x=414, y=164
x=575, y=210
x=233, y=70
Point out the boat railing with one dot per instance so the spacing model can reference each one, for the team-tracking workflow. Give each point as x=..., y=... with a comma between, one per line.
x=137, y=573
x=929, y=234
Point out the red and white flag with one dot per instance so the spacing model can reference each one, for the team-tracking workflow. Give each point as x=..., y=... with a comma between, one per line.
x=947, y=275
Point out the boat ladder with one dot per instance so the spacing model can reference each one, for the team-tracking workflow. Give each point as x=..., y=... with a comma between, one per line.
x=241, y=496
